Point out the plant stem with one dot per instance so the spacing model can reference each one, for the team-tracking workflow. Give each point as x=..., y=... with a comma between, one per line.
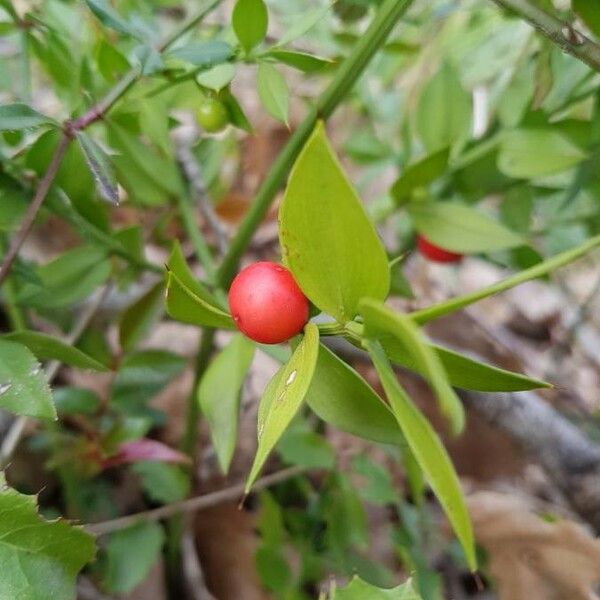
x=443, y=308
x=563, y=34
x=34, y=207
x=347, y=74
x=193, y=504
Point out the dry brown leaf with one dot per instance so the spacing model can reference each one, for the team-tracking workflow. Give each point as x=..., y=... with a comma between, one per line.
x=532, y=558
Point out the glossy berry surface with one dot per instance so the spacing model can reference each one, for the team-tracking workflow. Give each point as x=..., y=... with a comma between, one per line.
x=435, y=253
x=266, y=303
x=212, y=115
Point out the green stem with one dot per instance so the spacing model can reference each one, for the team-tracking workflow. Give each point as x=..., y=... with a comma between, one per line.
x=563, y=34
x=345, y=77
x=443, y=308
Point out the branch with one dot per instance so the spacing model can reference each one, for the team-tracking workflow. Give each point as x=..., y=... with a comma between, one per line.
x=563, y=34
x=346, y=76
x=34, y=207
x=570, y=459
x=192, y=504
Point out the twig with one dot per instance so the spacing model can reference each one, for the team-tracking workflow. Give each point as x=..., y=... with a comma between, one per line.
x=192, y=569
x=194, y=176
x=192, y=504
x=14, y=434
x=563, y=34
x=34, y=207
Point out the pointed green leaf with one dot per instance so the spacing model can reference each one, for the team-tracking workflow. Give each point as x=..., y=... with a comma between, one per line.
x=273, y=91
x=46, y=347
x=250, y=20
x=100, y=166
x=219, y=395
x=326, y=237
x=463, y=371
x=218, y=77
x=531, y=153
x=188, y=300
x=203, y=54
x=428, y=451
x=109, y=17
x=14, y=117
x=341, y=397
x=23, y=386
x=380, y=320
x=444, y=111
x=420, y=173
x=307, y=63
x=459, y=228
x=40, y=559
x=539, y=270
x=138, y=318
x=283, y=398
x=304, y=23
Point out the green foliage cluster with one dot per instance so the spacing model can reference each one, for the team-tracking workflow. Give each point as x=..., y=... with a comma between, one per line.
x=515, y=183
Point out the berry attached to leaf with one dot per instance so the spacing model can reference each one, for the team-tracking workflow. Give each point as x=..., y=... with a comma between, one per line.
x=266, y=303
x=212, y=115
x=435, y=253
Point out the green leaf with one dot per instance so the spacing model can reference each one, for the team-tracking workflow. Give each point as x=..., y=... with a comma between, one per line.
x=341, y=397
x=219, y=395
x=420, y=174
x=100, y=166
x=444, y=111
x=203, y=54
x=188, y=300
x=381, y=320
x=40, y=559
x=130, y=554
x=459, y=228
x=250, y=20
x=76, y=401
x=47, y=347
x=14, y=117
x=531, y=153
x=589, y=12
x=237, y=116
x=282, y=401
x=307, y=63
x=139, y=317
x=273, y=91
x=444, y=308
x=428, y=451
x=218, y=77
x=162, y=482
x=23, y=386
x=358, y=589
x=148, y=177
x=109, y=17
x=304, y=448
x=67, y=279
x=462, y=371
x=303, y=23
x=142, y=375
x=326, y=237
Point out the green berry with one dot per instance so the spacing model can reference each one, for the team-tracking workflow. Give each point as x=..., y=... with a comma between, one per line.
x=212, y=115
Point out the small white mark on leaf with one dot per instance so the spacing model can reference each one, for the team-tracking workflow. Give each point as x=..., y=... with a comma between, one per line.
x=4, y=387
x=291, y=378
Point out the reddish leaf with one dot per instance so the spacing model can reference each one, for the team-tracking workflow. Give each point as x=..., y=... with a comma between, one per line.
x=145, y=449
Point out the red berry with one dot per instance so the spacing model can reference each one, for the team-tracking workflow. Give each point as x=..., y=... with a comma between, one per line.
x=435, y=253
x=267, y=304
